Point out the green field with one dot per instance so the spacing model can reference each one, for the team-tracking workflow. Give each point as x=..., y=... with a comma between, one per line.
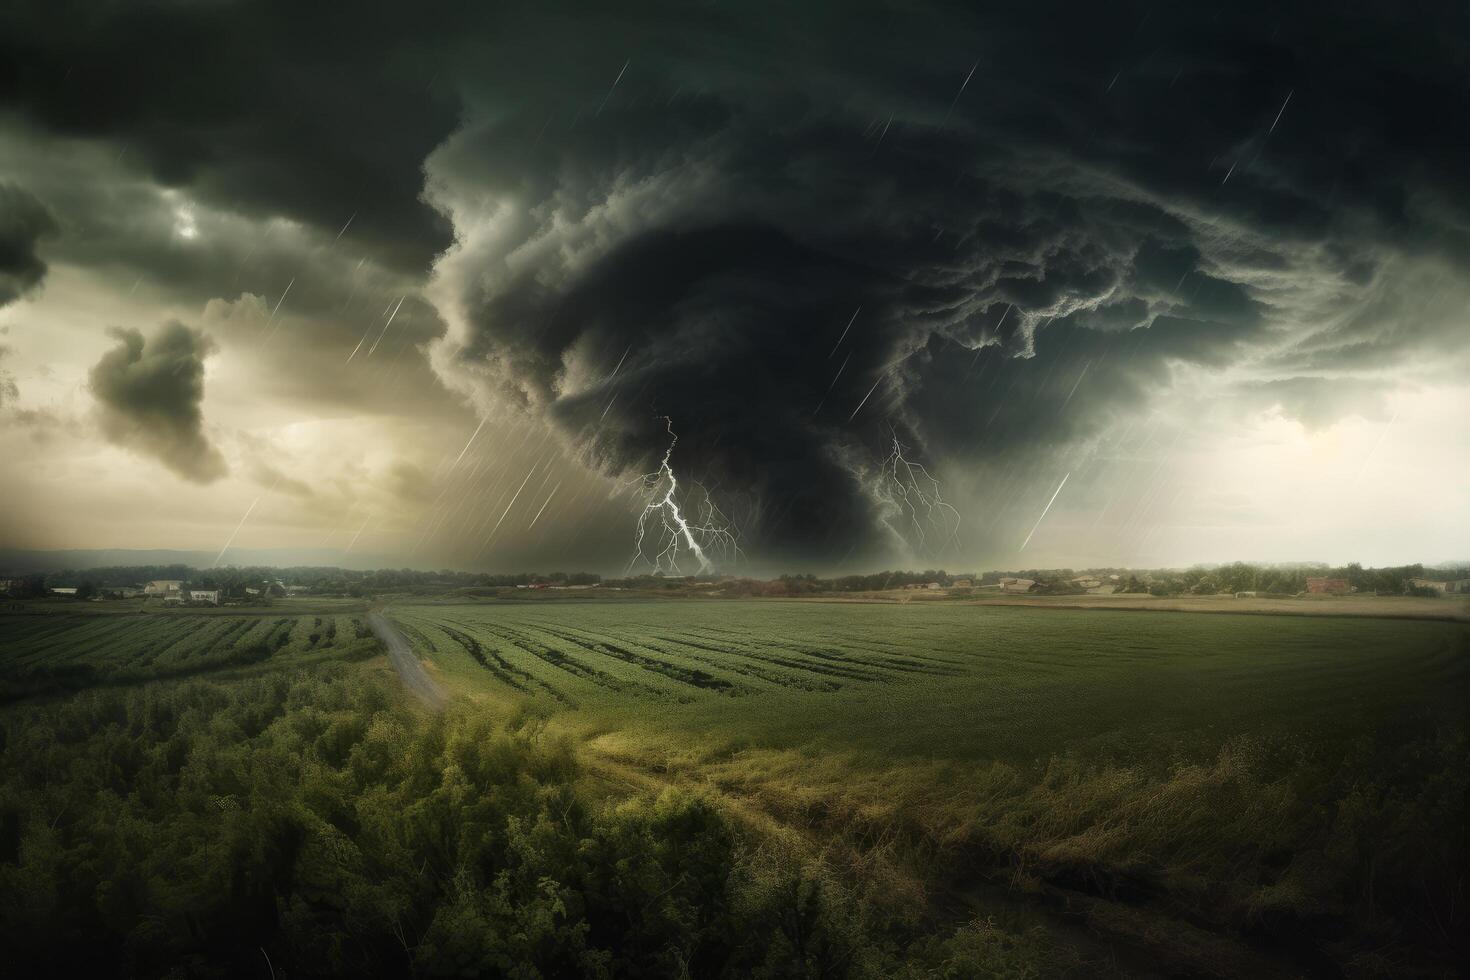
x=736, y=788
x=947, y=682
x=1232, y=768
x=55, y=653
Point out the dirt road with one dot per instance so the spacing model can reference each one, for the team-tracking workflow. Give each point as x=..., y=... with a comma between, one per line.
x=412, y=672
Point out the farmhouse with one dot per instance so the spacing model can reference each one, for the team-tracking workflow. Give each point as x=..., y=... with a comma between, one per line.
x=66, y=591
x=163, y=587
x=1328, y=586
x=210, y=596
x=960, y=583
x=1017, y=586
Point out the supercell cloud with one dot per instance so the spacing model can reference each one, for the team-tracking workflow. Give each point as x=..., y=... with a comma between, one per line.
x=1052, y=240
x=1036, y=250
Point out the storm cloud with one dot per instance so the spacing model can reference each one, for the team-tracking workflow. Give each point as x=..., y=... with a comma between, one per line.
x=261, y=107
x=1007, y=240
x=24, y=221
x=1024, y=263
x=149, y=392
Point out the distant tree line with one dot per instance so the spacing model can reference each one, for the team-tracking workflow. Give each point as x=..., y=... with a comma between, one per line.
x=237, y=583
x=233, y=582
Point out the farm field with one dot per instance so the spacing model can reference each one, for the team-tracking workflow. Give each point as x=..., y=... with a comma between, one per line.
x=55, y=653
x=947, y=682
x=868, y=789
x=1153, y=774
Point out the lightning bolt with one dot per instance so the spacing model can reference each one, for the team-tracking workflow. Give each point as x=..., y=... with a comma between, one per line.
x=914, y=509
x=665, y=535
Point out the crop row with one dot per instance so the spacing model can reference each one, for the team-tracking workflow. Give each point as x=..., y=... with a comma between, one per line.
x=562, y=657
x=61, y=653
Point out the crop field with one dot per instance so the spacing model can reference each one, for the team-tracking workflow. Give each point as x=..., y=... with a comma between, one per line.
x=57, y=653
x=1169, y=778
x=958, y=682
x=1078, y=791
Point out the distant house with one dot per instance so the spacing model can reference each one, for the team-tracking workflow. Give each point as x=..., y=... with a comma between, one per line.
x=206, y=596
x=1086, y=582
x=164, y=587
x=961, y=583
x=1328, y=586
x=1245, y=595
x=63, y=591
x=933, y=585
x=1017, y=586
x=1454, y=587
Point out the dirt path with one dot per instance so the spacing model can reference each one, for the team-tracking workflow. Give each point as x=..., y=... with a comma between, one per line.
x=412, y=672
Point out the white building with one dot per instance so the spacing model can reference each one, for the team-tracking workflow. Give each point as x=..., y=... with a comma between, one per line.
x=163, y=587
x=210, y=596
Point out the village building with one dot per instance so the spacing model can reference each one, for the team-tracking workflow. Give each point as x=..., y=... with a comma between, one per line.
x=1455, y=587
x=63, y=591
x=207, y=596
x=1318, y=585
x=164, y=587
x=960, y=583
x=1017, y=586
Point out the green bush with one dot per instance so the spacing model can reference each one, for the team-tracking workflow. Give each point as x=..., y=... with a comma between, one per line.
x=316, y=821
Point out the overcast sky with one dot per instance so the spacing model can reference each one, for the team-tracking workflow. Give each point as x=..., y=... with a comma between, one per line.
x=434, y=283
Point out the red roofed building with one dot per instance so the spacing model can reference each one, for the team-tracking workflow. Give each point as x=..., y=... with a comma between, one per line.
x=1329, y=586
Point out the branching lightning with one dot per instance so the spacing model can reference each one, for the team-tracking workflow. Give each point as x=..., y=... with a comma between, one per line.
x=666, y=536
x=914, y=509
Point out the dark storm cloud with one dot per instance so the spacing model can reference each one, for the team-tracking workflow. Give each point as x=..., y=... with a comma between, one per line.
x=317, y=112
x=1118, y=191
x=149, y=391
x=1120, y=195
x=24, y=221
